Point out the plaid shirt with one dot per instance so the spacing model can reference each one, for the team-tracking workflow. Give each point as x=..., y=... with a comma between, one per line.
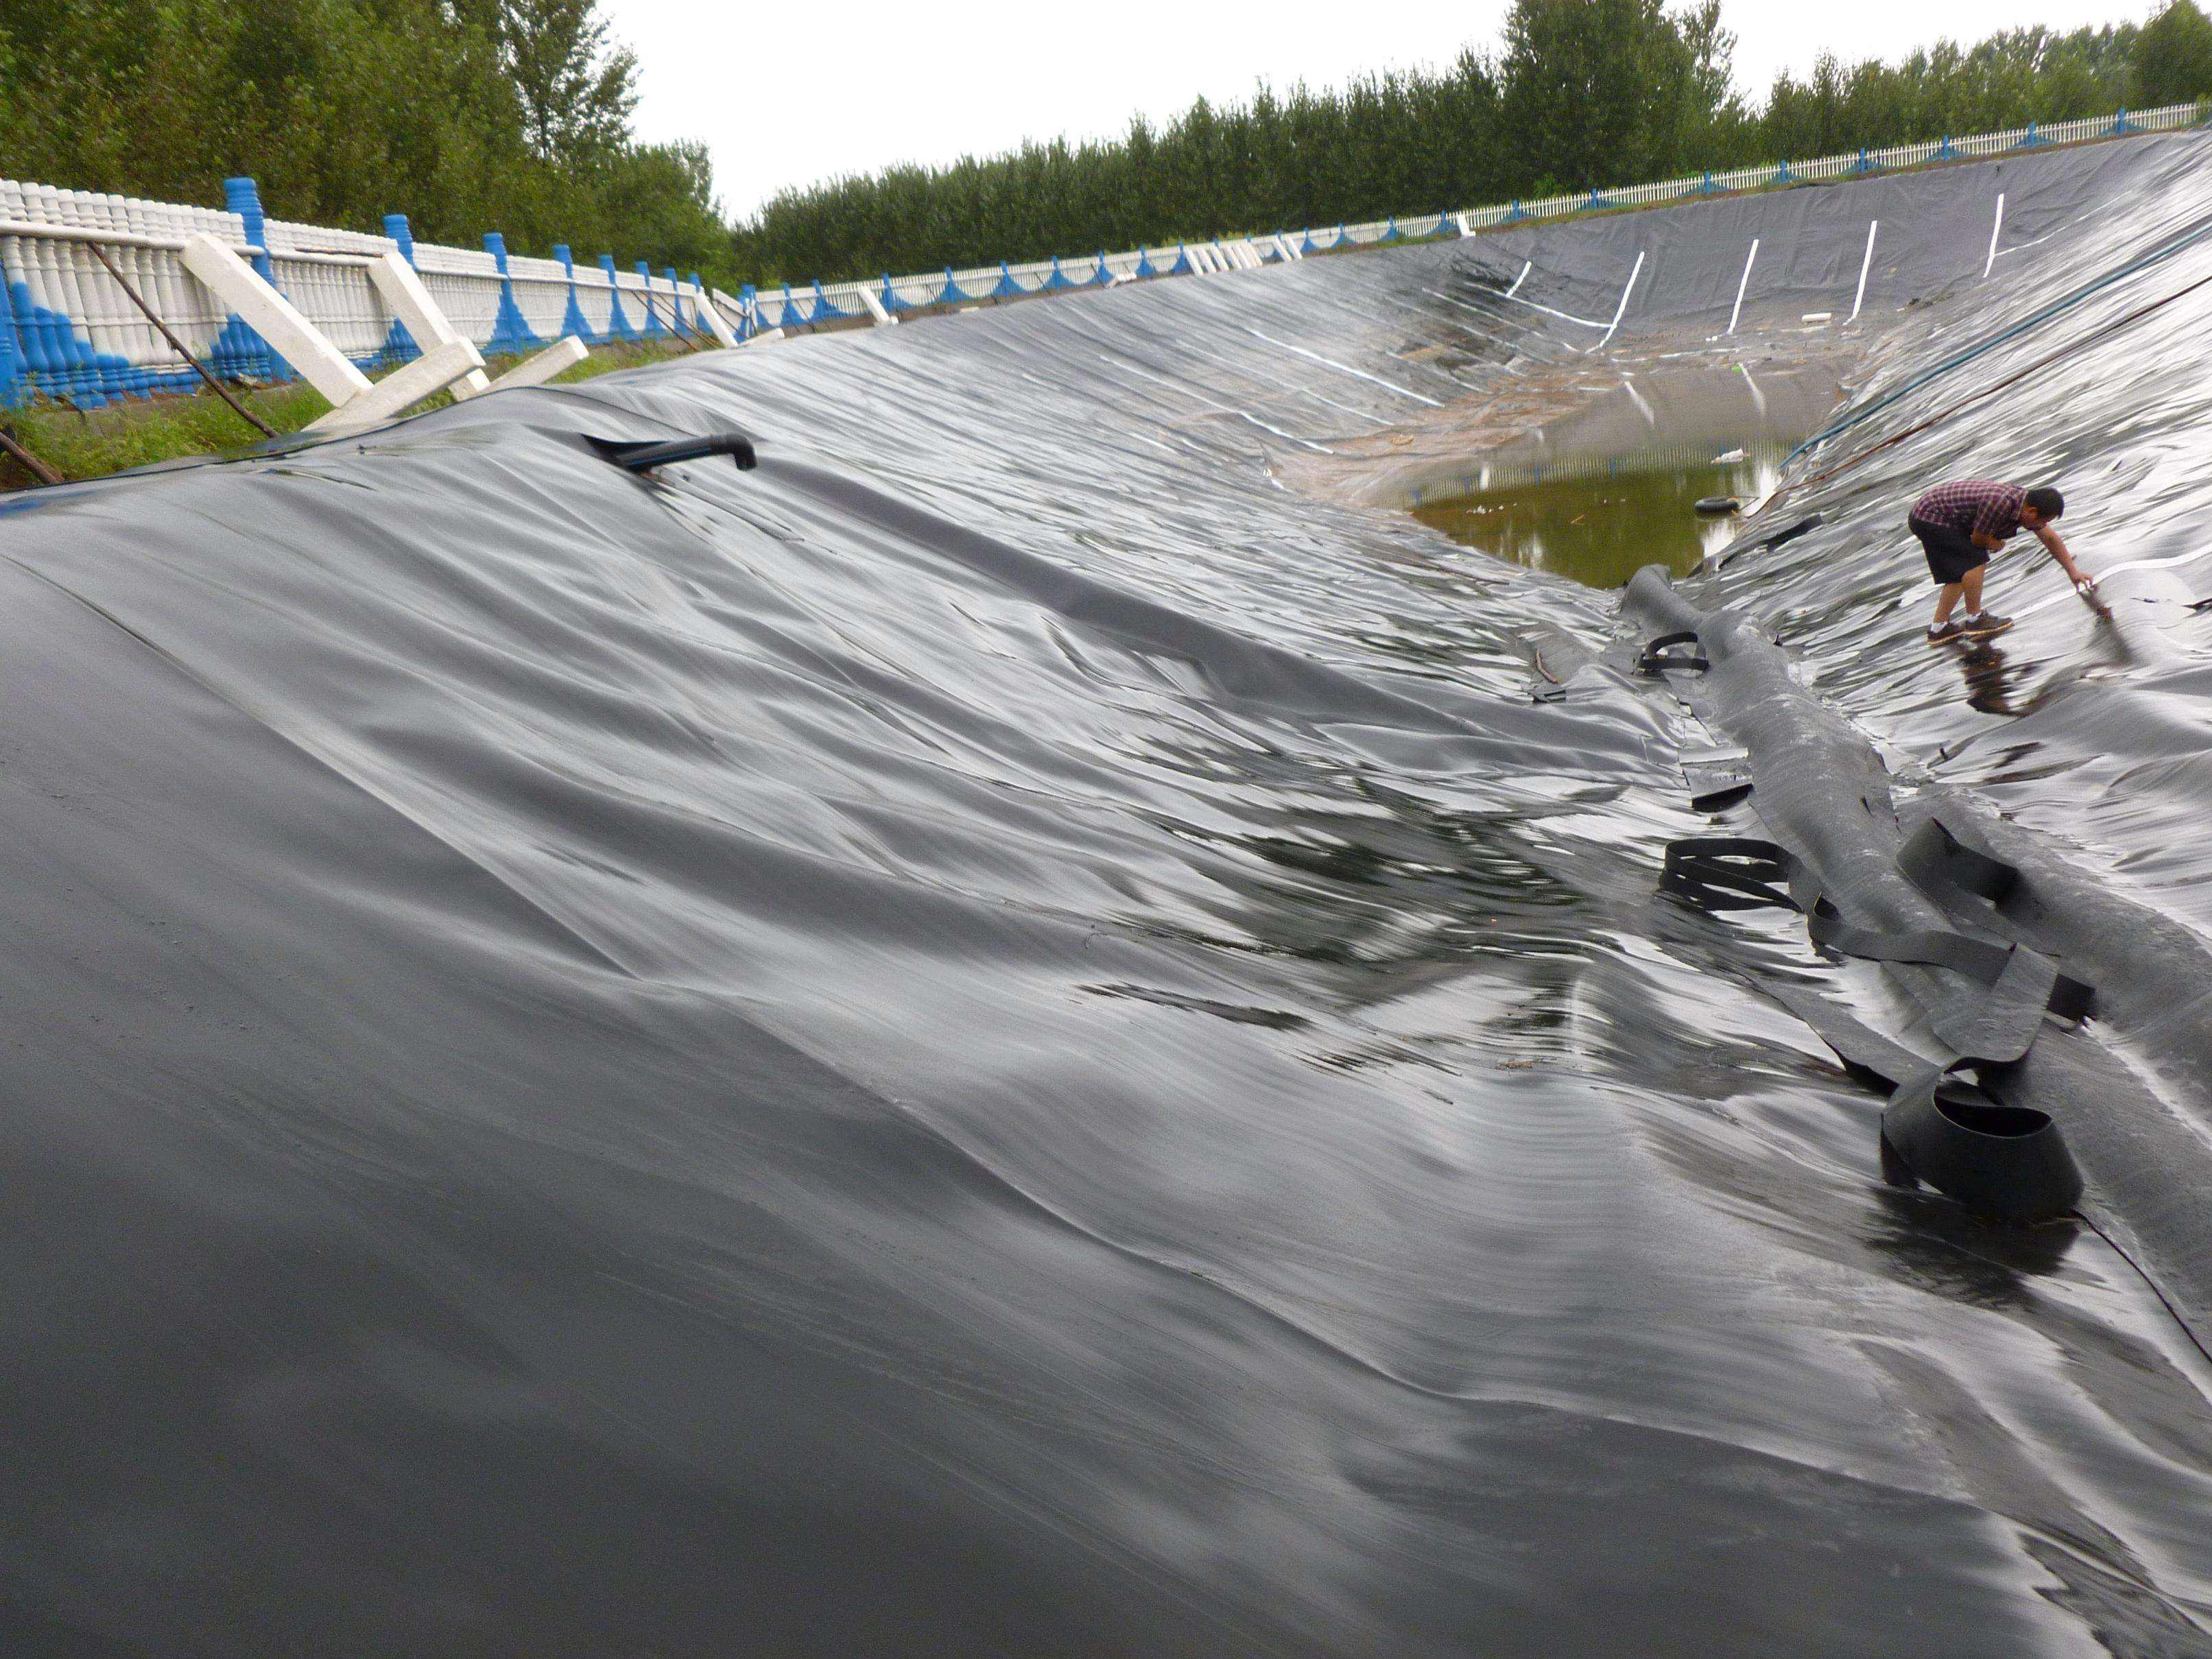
x=1967, y=505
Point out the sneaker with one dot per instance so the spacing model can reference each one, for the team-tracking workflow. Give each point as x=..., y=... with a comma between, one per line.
x=1983, y=623
x=1947, y=631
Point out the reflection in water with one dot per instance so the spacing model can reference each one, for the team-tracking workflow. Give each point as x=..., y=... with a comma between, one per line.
x=1601, y=530
x=1597, y=496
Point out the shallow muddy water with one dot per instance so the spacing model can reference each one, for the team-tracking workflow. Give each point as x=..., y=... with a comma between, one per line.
x=1600, y=529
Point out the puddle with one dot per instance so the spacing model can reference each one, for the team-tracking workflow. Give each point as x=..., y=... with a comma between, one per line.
x=1601, y=529
x=1612, y=487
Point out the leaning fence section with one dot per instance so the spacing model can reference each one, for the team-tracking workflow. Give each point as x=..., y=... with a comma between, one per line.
x=103, y=295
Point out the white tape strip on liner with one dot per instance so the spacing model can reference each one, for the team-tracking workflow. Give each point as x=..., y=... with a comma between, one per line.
x=1527, y=265
x=1587, y=322
x=433, y=371
x=239, y=288
x=1622, y=310
x=777, y=333
x=406, y=298
x=1865, y=265
x=1743, y=282
x=1344, y=368
x=1995, y=226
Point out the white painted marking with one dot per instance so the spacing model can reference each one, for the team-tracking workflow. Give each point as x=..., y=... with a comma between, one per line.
x=1997, y=226
x=1622, y=310
x=1758, y=397
x=1587, y=322
x=1345, y=369
x=1865, y=265
x=1743, y=282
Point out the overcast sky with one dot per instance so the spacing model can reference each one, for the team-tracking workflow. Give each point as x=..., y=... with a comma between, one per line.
x=786, y=94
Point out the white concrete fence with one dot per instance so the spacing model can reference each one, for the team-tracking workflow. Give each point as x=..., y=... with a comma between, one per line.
x=255, y=298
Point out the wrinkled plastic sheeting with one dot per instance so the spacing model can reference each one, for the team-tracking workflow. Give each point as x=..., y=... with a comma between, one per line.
x=994, y=1038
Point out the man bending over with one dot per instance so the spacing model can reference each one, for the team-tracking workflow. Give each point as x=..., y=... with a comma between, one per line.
x=1961, y=524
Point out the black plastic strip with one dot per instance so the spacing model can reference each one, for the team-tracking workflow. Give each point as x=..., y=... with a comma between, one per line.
x=644, y=457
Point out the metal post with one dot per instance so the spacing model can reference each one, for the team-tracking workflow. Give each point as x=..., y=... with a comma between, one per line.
x=179, y=347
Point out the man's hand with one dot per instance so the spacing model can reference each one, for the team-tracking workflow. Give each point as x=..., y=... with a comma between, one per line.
x=2084, y=583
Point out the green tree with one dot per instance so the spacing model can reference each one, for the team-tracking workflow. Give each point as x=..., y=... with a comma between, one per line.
x=578, y=88
x=2174, y=56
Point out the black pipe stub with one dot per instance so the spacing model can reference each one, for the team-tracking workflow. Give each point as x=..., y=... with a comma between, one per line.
x=2007, y=1162
x=644, y=457
x=1715, y=507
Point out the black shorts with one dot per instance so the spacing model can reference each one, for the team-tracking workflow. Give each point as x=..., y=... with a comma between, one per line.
x=1950, y=555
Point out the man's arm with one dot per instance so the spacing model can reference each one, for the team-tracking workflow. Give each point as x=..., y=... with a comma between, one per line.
x=2056, y=549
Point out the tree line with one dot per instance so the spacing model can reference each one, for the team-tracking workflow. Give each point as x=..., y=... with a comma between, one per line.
x=515, y=115
x=466, y=115
x=1577, y=94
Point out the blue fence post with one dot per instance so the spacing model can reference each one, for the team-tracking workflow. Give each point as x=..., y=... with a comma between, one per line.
x=396, y=227
x=746, y=295
x=12, y=389
x=652, y=328
x=951, y=289
x=2121, y=125
x=892, y=303
x=1783, y=175
x=676, y=302
x=572, y=321
x=237, y=347
x=399, y=344
x=242, y=196
x=618, y=324
x=1944, y=152
x=1105, y=276
x=511, y=331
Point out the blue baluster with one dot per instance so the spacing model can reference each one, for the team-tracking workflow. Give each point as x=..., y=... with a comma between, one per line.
x=619, y=322
x=12, y=367
x=237, y=347
x=572, y=321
